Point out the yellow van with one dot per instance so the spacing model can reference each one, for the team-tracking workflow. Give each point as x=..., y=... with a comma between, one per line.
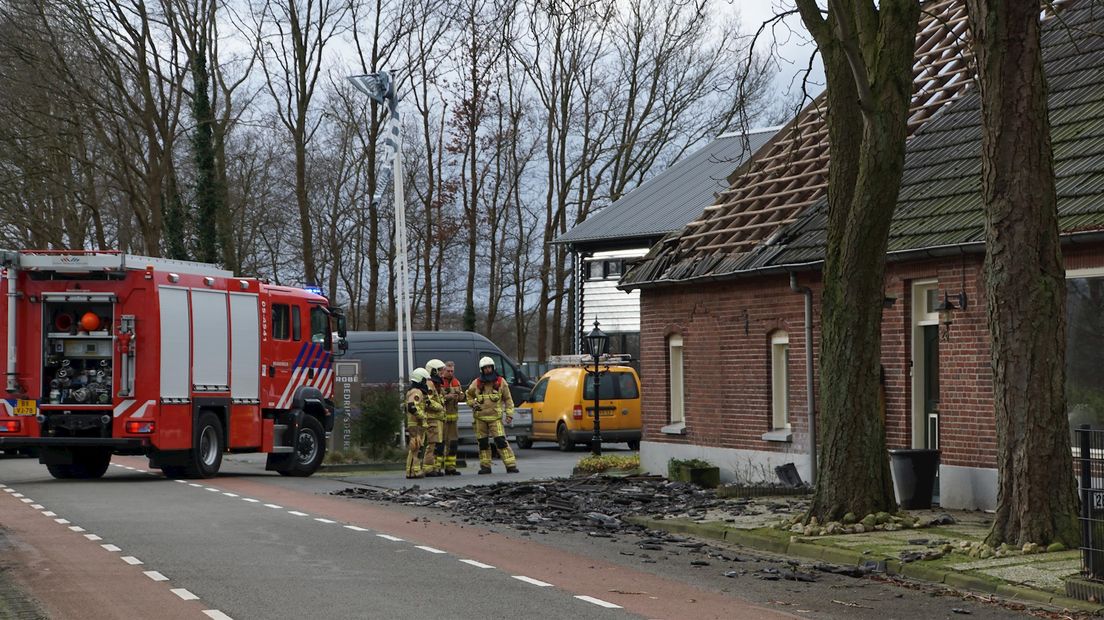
x=563, y=407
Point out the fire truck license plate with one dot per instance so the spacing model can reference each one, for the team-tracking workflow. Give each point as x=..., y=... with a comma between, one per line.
x=26, y=407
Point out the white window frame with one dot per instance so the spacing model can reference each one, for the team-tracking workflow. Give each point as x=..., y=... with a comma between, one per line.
x=780, y=381
x=922, y=316
x=676, y=391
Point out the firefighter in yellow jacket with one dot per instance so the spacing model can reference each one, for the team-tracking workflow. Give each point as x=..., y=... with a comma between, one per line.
x=490, y=400
x=454, y=393
x=416, y=422
x=434, y=464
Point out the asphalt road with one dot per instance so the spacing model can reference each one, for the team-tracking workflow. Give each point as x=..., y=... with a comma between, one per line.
x=251, y=544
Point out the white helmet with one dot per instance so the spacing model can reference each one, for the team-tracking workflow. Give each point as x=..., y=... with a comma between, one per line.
x=434, y=365
x=419, y=375
x=486, y=361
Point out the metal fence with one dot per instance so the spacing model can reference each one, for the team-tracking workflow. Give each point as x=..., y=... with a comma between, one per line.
x=1088, y=453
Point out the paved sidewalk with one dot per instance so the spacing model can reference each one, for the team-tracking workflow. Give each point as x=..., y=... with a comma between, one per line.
x=950, y=551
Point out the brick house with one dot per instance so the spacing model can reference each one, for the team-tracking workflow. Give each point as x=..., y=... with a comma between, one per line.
x=723, y=322
x=602, y=244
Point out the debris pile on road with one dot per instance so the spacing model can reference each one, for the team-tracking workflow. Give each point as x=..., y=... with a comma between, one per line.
x=595, y=505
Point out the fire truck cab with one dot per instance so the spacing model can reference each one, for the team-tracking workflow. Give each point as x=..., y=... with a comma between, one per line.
x=111, y=353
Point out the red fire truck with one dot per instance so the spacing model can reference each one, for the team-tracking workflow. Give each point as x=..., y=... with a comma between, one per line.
x=110, y=353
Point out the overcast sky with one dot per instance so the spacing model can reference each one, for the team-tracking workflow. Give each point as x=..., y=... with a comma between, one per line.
x=792, y=42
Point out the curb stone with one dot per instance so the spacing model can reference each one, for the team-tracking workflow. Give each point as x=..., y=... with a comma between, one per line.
x=795, y=546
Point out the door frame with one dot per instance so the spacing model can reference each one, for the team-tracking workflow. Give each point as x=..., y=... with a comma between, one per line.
x=920, y=318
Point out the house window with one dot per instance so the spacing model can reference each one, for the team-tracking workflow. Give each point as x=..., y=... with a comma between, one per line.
x=678, y=386
x=604, y=269
x=780, y=393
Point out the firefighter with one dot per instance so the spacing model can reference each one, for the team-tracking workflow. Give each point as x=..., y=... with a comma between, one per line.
x=489, y=398
x=416, y=422
x=454, y=393
x=434, y=464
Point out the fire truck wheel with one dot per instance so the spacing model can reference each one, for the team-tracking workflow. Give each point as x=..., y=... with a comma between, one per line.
x=88, y=463
x=205, y=458
x=310, y=449
x=61, y=472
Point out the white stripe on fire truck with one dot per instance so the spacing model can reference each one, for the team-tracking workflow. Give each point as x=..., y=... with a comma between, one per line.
x=142, y=410
x=7, y=408
x=122, y=407
x=282, y=403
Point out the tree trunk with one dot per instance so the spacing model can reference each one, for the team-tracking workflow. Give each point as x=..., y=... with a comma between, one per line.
x=868, y=105
x=1024, y=281
x=207, y=196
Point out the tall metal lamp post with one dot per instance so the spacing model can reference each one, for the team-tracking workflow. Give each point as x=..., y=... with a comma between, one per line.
x=597, y=340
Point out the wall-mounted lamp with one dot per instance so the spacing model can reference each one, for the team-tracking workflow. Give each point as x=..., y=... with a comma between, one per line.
x=889, y=300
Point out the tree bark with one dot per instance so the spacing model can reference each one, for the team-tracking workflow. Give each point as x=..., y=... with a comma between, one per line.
x=1024, y=280
x=869, y=73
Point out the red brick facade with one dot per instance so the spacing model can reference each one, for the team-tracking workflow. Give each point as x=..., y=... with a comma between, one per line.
x=727, y=327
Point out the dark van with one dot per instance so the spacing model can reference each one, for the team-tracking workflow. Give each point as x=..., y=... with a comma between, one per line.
x=378, y=353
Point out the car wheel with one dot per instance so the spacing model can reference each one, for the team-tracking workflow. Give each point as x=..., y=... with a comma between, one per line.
x=563, y=438
x=524, y=443
x=205, y=457
x=310, y=449
x=634, y=444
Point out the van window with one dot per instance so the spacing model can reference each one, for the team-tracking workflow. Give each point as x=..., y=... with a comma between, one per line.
x=320, y=326
x=281, y=322
x=612, y=385
x=537, y=395
x=501, y=367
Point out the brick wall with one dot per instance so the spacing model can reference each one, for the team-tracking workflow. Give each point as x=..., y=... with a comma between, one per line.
x=726, y=329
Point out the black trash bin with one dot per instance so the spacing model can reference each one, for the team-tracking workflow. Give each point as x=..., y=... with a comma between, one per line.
x=914, y=473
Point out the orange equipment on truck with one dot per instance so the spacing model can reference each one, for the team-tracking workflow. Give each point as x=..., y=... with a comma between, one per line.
x=110, y=353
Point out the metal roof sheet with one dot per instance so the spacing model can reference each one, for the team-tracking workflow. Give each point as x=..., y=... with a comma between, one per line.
x=667, y=201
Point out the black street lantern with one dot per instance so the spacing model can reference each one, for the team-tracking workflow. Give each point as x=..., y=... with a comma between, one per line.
x=597, y=341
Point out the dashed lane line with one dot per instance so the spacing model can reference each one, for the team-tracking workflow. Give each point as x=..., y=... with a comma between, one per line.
x=76, y=528
x=38, y=506
x=110, y=547
x=356, y=528
x=216, y=614
x=597, y=601
x=322, y=520
x=47, y=513
x=130, y=559
x=390, y=537
x=251, y=500
x=297, y=513
x=154, y=575
x=62, y=521
x=184, y=594
x=26, y=500
x=476, y=564
x=276, y=506
x=531, y=581
x=92, y=537
x=229, y=494
x=429, y=549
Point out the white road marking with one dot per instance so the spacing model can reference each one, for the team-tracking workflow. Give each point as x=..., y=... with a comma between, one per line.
x=355, y=528
x=154, y=575
x=216, y=614
x=230, y=494
x=597, y=601
x=192, y=484
x=181, y=481
x=212, y=489
x=26, y=500
x=3, y=486
x=184, y=594
x=92, y=537
x=110, y=547
x=76, y=528
x=37, y=506
x=429, y=549
x=62, y=521
x=9, y=490
x=477, y=564
x=297, y=513
x=252, y=501
x=276, y=506
x=130, y=559
x=127, y=467
x=321, y=520
x=532, y=581
x=17, y=495
x=47, y=513
x=390, y=537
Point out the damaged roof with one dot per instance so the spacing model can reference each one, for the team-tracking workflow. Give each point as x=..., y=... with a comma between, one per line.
x=667, y=201
x=789, y=175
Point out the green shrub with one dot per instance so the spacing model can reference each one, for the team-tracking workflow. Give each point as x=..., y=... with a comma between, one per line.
x=596, y=464
x=380, y=422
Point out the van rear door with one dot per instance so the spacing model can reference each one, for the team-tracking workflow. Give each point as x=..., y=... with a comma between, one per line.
x=618, y=399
